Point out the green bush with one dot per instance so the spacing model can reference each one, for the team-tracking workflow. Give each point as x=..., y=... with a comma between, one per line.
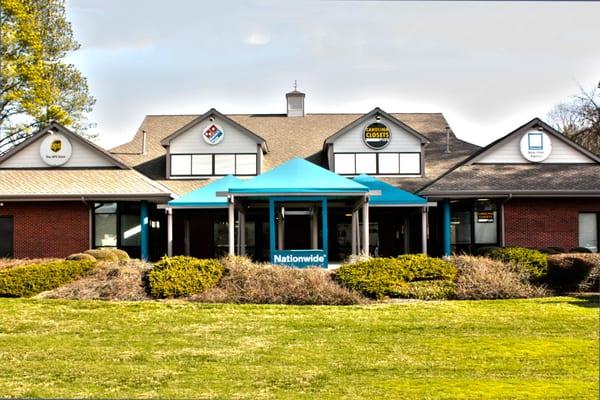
x=28, y=280
x=183, y=276
x=102, y=254
x=532, y=262
x=379, y=277
x=81, y=256
x=566, y=272
x=428, y=290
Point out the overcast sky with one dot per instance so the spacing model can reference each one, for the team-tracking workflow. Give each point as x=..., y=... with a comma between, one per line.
x=489, y=67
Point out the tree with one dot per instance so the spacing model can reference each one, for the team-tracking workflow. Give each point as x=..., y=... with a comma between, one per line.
x=36, y=85
x=579, y=118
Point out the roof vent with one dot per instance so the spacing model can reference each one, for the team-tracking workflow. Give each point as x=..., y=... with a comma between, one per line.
x=295, y=102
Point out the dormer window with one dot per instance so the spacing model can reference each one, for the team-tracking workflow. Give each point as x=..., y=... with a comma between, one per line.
x=188, y=165
x=377, y=163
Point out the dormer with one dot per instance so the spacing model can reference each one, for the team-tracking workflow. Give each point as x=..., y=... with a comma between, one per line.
x=377, y=144
x=213, y=145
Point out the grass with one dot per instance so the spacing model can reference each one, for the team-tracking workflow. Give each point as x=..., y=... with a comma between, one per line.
x=503, y=349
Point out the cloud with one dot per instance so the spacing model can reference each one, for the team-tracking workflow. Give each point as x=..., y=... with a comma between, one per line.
x=257, y=39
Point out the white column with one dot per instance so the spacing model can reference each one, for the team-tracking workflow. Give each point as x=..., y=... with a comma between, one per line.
x=365, y=232
x=354, y=229
x=314, y=225
x=424, y=230
x=231, y=226
x=170, y=232
x=280, y=228
x=242, y=233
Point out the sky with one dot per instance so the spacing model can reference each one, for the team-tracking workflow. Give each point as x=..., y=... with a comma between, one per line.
x=489, y=67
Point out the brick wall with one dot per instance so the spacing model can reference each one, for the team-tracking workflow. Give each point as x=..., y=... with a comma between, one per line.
x=545, y=222
x=48, y=229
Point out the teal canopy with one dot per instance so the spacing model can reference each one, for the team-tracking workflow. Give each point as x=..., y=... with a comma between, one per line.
x=390, y=195
x=298, y=176
x=206, y=196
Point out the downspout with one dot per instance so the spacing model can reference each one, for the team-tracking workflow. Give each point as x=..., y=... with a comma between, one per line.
x=502, y=227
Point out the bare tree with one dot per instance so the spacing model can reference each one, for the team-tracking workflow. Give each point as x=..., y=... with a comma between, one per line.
x=579, y=118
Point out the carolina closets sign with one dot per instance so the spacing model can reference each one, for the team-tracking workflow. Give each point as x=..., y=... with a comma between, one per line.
x=377, y=136
x=55, y=149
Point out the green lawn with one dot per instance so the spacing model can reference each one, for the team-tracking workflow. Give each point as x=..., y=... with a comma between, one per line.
x=512, y=349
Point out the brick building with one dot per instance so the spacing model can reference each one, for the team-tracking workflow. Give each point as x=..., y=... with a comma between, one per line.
x=61, y=194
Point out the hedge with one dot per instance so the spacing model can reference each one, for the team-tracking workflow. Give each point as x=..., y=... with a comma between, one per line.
x=28, y=280
x=566, y=272
x=379, y=277
x=532, y=262
x=102, y=254
x=183, y=276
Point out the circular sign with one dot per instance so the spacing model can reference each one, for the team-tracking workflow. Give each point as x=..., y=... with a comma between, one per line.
x=213, y=134
x=55, y=149
x=377, y=135
x=536, y=146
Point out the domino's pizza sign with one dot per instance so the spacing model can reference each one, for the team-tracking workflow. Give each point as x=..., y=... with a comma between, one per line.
x=213, y=134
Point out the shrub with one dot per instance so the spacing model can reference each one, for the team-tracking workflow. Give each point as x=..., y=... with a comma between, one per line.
x=484, y=278
x=108, y=281
x=573, y=272
x=248, y=282
x=580, y=250
x=532, y=262
x=428, y=290
x=15, y=262
x=81, y=256
x=121, y=254
x=183, y=276
x=379, y=277
x=27, y=280
x=102, y=254
x=485, y=250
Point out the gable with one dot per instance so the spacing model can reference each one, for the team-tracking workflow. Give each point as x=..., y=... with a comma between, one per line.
x=534, y=143
x=57, y=147
x=232, y=140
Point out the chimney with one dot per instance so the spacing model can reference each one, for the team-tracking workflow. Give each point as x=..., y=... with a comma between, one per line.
x=144, y=142
x=295, y=103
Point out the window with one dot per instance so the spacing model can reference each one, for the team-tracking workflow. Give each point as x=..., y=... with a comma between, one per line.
x=213, y=164
x=181, y=164
x=6, y=236
x=485, y=222
x=461, y=227
x=105, y=225
x=410, y=163
x=366, y=163
x=389, y=163
x=344, y=164
x=377, y=163
x=224, y=164
x=588, y=231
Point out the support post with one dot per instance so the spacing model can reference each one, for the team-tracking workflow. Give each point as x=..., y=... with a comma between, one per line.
x=186, y=236
x=354, y=219
x=242, y=233
x=280, y=228
x=325, y=230
x=145, y=231
x=424, y=230
x=231, y=226
x=314, y=228
x=446, y=249
x=271, y=228
x=365, y=233
x=170, y=232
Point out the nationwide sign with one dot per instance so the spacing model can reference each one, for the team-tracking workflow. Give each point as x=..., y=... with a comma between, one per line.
x=300, y=258
x=377, y=136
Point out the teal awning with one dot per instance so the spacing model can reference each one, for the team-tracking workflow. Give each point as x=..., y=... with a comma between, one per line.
x=206, y=196
x=390, y=195
x=298, y=176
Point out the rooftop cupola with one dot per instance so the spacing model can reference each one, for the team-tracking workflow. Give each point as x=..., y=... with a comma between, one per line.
x=295, y=102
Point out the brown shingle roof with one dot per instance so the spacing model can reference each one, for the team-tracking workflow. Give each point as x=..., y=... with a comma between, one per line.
x=288, y=137
x=518, y=178
x=91, y=183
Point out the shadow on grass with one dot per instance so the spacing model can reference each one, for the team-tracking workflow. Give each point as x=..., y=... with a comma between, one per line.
x=590, y=300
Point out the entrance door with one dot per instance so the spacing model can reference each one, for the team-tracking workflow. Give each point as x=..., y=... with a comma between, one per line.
x=297, y=232
x=6, y=237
